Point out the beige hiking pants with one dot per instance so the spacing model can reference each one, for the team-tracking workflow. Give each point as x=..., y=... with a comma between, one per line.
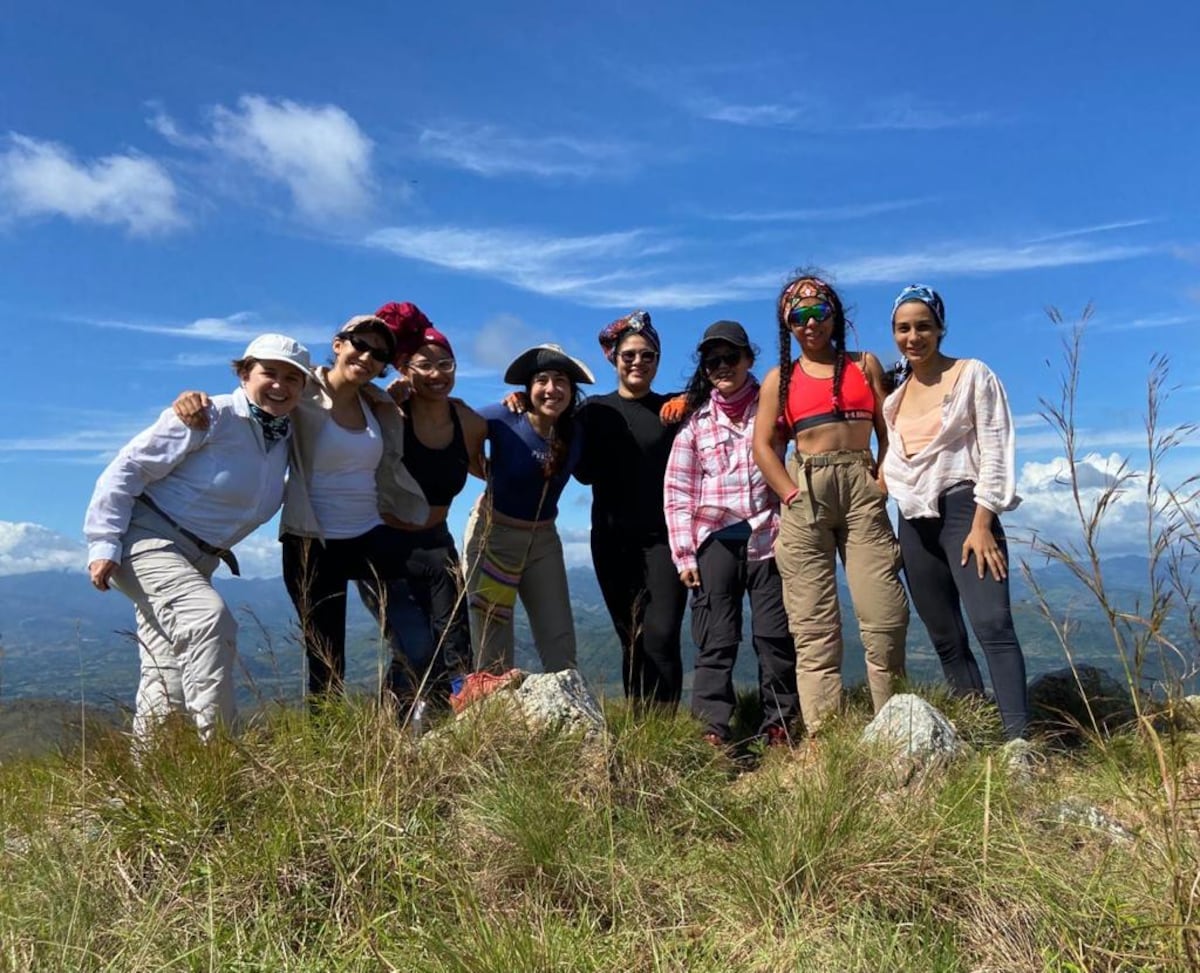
x=187, y=636
x=502, y=561
x=840, y=512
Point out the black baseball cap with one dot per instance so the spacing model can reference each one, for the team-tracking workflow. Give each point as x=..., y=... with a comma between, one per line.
x=730, y=332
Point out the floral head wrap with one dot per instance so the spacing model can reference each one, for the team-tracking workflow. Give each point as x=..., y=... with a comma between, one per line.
x=636, y=322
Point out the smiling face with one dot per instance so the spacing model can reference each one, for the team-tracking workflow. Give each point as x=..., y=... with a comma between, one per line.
x=726, y=366
x=359, y=356
x=550, y=393
x=917, y=332
x=637, y=364
x=430, y=371
x=274, y=387
x=811, y=330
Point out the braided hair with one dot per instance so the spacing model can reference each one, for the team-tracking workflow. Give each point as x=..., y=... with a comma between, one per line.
x=810, y=282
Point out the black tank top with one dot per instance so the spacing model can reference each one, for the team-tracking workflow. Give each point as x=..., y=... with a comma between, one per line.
x=442, y=473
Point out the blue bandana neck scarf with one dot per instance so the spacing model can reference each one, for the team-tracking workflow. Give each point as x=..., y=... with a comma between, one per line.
x=274, y=428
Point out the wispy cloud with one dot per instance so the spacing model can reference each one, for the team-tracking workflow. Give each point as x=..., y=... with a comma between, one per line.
x=45, y=179
x=850, y=211
x=317, y=152
x=1142, y=322
x=1088, y=230
x=902, y=115
x=969, y=260
x=762, y=115
x=489, y=150
x=234, y=329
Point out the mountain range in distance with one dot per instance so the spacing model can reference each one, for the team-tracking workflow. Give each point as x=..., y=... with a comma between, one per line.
x=62, y=640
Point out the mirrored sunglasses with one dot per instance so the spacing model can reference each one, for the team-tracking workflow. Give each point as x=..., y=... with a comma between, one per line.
x=812, y=312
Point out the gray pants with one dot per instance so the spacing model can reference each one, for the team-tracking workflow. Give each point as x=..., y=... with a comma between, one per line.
x=187, y=636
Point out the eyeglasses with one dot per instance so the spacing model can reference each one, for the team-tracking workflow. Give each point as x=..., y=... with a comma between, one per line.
x=812, y=312
x=713, y=362
x=646, y=355
x=364, y=347
x=444, y=365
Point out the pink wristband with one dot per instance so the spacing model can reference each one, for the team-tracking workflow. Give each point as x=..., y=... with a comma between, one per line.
x=787, y=501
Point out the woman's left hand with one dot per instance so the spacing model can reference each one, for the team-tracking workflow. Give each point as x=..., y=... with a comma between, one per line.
x=982, y=543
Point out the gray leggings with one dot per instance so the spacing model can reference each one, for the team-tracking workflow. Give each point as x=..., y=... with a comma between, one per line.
x=941, y=587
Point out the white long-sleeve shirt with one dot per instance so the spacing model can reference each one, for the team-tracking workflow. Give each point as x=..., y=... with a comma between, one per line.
x=220, y=483
x=976, y=443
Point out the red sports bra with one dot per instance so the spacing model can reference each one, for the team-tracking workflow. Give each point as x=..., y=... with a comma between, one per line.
x=810, y=400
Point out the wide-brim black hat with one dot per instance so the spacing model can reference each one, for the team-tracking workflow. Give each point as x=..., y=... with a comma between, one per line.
x=540, y=358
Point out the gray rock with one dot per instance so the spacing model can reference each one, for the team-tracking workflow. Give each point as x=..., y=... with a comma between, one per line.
x=560, y=701
x=1077, y=813
x=1059, y=703
x=915, y=729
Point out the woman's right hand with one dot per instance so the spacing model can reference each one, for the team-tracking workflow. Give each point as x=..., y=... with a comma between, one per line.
x=191, y=408
x=400, y=389
x=690, y=577
x=517, y=402
x=100, y=570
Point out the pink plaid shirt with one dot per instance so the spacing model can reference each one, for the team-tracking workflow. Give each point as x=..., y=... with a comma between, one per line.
x=713, y=482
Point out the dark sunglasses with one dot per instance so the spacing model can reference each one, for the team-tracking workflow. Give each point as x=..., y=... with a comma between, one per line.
x=364, y=347
x=713, y=362
x=646, y=355
x=813, y=312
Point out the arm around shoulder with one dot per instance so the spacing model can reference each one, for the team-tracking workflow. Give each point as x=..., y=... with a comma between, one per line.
x=475, y=429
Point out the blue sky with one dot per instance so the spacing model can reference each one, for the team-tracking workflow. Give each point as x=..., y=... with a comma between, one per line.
x=174, y=182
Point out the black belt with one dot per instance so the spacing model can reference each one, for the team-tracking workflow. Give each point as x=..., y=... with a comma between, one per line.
x=224, y=553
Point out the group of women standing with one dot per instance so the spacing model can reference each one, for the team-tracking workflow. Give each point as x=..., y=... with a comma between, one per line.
x=694, y=497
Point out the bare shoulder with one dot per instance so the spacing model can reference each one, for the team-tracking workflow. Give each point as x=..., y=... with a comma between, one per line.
x=473, y=423
x=867, y=362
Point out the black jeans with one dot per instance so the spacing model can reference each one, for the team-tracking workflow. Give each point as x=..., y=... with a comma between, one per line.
x=725, y=578
x=425, y=618
x=941, y=587
x=316, y=576
x=645, y=600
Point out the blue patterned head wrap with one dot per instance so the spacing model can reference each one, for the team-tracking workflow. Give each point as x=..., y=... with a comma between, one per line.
x=927, y=296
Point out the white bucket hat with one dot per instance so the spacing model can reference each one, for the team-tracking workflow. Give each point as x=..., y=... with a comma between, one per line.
x=279, y=348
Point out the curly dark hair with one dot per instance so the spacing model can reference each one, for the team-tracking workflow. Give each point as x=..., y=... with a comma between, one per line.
x=562, y=433
x=837, y=338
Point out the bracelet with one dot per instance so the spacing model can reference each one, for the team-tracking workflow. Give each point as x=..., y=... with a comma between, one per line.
x=787, y=501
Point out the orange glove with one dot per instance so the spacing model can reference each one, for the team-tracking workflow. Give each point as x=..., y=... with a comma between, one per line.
x=673, y=410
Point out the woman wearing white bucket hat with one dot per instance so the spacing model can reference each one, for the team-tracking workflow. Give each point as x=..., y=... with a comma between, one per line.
x=169, y=508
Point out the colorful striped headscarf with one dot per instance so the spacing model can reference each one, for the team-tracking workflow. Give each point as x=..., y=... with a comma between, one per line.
x=805, y=289
x=636, y=322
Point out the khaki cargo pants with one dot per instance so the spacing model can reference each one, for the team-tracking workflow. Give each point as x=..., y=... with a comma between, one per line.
x=840, y=512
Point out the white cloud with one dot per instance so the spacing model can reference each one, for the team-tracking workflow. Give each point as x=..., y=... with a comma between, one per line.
x=764, y=115
x=1089, y=230
x=490, y=151
x=901, y=116
x=317, y=152
x=44, y=179
x=1048, y=509
x=235, y=329
x=966, y=260
x=25, y=548
x=851, y=211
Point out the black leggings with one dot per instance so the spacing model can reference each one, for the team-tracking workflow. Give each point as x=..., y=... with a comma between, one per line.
x=425, y=617
x=316, y=576
x=645, y=600
x=941, y=587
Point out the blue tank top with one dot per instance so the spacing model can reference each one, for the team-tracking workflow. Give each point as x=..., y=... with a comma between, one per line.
x=517, y=483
